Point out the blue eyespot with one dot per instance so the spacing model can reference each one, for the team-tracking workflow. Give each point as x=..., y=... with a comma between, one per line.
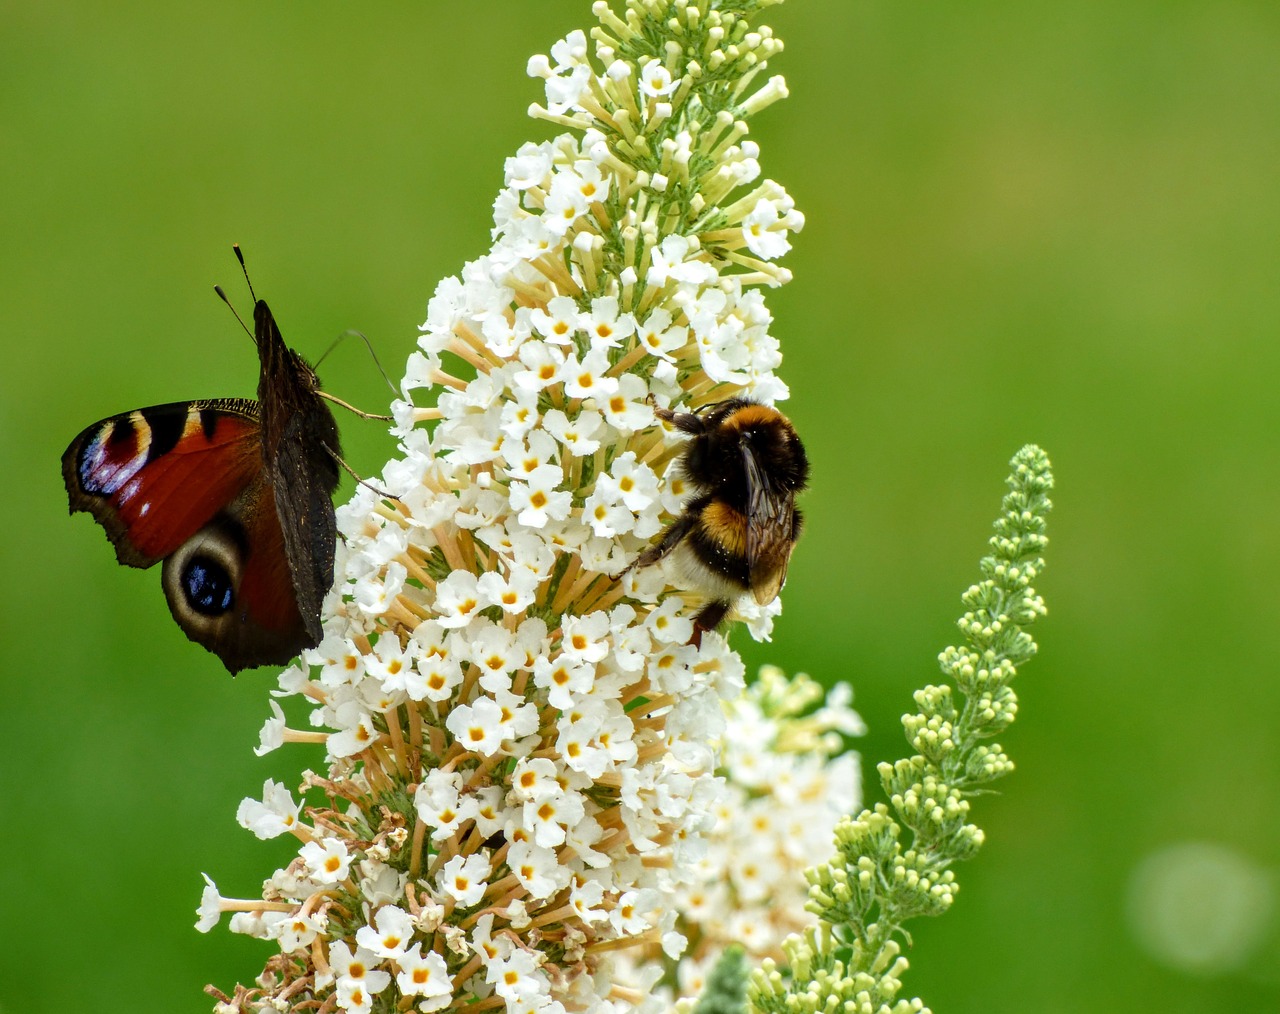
x=206, y=586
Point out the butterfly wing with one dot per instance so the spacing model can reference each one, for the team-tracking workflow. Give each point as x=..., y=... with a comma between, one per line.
x=770, y=529
x=185, y=483
x=303, y=497
x=230, y=587
x=301, y=449
x=155, y=476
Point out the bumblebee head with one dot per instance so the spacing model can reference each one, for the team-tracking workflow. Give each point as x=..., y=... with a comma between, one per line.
x=769, y=437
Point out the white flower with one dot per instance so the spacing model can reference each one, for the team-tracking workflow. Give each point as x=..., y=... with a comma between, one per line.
x=667, y=625
x=514, y=976
x=557, y=323
x=374, y=595
x=390, y=935
x=458, y=599
x=575, y=435
x=587, y=377
x=669, y=263
x=543, y=366
x=656, y=80
x=529, y=167
x=272, y=735
x=514, y=593
x=296, y=931
x=357, y=979
x=390, y=663
x=760, y=231
x=605, y=327
x=567, y=78
x=465, y=879
x=421, y=975
x=478, y=726
x=357, y=733
x=276, y=814
x=327, y=861
x=628, y=410
x=586, y=637
x=539, y=500
x=563, y=679
x=630, y=482
x=535, y=780
x=210, y=910
x=566, y=203
x=518, y=717
x=523, y=457
x=437, y=678
x=606, y=515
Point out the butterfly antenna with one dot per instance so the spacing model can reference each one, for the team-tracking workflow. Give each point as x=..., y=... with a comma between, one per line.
x=234, y=312
x=245, y=269
x=368, y=345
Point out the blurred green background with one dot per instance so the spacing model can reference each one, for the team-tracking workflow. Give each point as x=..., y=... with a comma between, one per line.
x=1025, y=222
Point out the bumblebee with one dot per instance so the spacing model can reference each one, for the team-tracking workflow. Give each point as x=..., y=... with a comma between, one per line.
x=745, y=465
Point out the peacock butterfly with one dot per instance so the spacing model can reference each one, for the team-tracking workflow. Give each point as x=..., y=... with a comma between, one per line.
x=233, y=495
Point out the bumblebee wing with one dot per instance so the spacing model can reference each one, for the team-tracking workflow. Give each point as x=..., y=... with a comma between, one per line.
x=770, y=523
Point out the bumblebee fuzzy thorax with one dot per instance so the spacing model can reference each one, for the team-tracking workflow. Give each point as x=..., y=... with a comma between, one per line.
x=737, y=428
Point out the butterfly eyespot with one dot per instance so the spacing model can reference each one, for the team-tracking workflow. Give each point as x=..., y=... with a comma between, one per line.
x=202, y=579
x=206, y=585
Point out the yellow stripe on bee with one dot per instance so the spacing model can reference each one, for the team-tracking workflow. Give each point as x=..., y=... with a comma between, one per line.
x=753, y=415
x=725, y=526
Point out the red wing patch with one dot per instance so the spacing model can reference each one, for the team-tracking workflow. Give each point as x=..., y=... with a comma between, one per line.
x=267, y=595
x=156, y=476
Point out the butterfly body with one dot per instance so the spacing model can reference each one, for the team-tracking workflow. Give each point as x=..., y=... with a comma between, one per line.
x=234, y=496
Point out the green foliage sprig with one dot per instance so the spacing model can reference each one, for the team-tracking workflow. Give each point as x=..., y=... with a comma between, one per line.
x=851, y=960
x=726, y=989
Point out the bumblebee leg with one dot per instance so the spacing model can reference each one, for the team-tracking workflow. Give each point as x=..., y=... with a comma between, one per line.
x=686, y=422
x=676, y=531
x=709, y=617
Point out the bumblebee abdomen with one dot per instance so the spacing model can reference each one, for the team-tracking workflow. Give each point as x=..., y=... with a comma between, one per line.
x=724, y=525
x=712, y=556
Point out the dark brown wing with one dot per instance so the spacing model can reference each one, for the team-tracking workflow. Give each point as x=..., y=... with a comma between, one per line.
x=770, y=524
x=300, y=447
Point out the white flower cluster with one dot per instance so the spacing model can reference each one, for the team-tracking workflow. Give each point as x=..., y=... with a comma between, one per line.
x=789, y=779
x=521, y=770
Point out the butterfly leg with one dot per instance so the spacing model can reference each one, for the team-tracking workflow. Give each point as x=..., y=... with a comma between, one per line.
x=352, y=409
x=356, y=475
